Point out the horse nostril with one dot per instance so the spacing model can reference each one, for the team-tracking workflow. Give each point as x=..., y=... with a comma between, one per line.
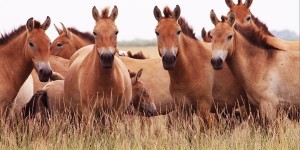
x=174, y=58
x=219, y=61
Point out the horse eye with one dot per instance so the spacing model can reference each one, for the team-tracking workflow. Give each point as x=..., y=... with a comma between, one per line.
x=229, y=37
x=31, y=44
x=59, y=44
x=116, y=33
x=157, y=34
x=94, y=33
x=248, y=18
x=178, y=32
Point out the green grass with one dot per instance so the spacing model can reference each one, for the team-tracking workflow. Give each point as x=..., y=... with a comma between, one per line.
x=129, y=133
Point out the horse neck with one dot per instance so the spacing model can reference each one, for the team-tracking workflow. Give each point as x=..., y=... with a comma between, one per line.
x=15, y=66
x=191, y=54
x=245, y=60
x=80, y=42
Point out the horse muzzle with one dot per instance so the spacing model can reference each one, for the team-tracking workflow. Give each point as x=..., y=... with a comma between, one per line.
x=169, y=61
x=107, y=60
x=217, y=63
x=44, y=71
x=148, y=110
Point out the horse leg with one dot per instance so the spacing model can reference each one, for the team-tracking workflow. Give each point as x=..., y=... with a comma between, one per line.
x=268, y=112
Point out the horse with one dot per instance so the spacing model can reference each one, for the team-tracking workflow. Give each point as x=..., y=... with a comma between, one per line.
x=99, y=83
x=270, y=76
x=245, y=17
x=28, y=48
x=181, y=53
x=50, y=99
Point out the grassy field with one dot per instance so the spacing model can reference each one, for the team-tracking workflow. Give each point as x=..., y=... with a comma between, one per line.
x=131, y=133
x=139, y=133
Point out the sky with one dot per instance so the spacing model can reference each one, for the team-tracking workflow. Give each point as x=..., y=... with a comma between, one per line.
x=135, y=19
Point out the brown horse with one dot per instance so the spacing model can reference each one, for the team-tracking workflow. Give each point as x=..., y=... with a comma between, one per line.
x=269, y=75
x=50, y=99
x=69, y=41
x=181, y=53
x=245, y=17
x=99, y=81
x=28, y=48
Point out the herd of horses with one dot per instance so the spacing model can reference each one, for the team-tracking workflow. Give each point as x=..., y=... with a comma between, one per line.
x=238, y=64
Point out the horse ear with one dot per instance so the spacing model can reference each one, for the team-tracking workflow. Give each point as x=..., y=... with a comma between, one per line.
x=131, y=74
x=95, y=13
x=157, y=13
x=213, y=17
x=65, y=30
x=139, y=74
x=46, y=24
x=59, y=31
x=176, y=12
x=229, y=3
x=114, y=13
x=203, y=33
x=248, y=3
x=231, y=18
x=29, y=24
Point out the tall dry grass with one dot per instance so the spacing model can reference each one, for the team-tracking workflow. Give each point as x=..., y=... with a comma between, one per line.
x=133, y=132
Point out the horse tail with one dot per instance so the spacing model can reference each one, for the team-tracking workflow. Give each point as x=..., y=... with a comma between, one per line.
x=56, y=76
x=38, y=102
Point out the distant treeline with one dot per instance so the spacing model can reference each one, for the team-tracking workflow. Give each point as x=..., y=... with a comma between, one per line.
x=284, y=34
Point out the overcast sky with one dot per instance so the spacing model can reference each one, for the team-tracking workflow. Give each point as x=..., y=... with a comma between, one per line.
x=135, y=19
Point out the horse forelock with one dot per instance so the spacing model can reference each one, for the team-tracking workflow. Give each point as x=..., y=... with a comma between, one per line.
x=224, y=18
x=256, y=38
x=85, y=35
x=105, y=13
x=5, y=38
x=36, y=24
x=168, y=12
x=261, y=25
x=186, y=28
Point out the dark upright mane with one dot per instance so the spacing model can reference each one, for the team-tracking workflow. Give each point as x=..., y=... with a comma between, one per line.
x=186, y=29
x=254, y=37
x=263, y=27
x=168, y=12
x=5, y=38
x=139, y=55
x=105, y=13
x=85, y=35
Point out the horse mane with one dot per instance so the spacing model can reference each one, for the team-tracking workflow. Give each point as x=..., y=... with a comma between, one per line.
x=256, y=38
x=139, y=55
x=168, y=12
x=5, y=38
x=105, y=13
x=186, y=28
x=85, y=35
x=263, y=27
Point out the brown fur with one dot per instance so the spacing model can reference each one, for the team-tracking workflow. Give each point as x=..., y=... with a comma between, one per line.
x=138, y=55
x=16, y=48
x=243, y=10
x=186, y=29
x=189, y=54
x=84, y=35
x=256, y=38
x=99, y=86
x=271, y=83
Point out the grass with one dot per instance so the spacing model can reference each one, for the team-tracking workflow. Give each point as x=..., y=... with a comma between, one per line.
x=132, y=133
